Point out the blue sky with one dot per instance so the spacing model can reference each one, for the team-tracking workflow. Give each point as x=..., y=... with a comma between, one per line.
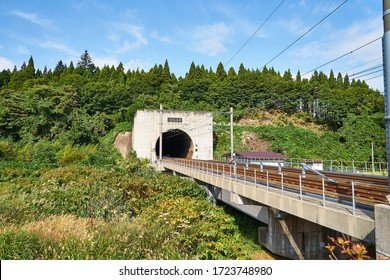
x=142, y=33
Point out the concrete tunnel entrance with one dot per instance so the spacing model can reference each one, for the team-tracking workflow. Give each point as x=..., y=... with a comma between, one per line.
x=176, y=144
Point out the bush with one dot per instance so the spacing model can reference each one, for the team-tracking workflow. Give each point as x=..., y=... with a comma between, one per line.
x=75, y=154
x=45, y=152
x=6, y=151
x=104, y=155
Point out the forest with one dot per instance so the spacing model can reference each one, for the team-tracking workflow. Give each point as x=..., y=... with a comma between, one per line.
x=78, y=104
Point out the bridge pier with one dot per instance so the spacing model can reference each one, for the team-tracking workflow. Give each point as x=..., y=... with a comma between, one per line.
x=282, y=234
x=293, y=237
x=382, y=231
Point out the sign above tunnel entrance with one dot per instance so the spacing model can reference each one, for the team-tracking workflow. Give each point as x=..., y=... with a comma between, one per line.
x=175, y=120
x=185, y=134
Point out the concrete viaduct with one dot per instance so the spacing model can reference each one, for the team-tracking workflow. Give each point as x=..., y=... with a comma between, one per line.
x=295, y=226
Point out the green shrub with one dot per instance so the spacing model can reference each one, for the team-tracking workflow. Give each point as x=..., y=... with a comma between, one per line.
x=104, y=155
x=25, y=153
x=6, y=151
x=75, y=154
x=44, y=152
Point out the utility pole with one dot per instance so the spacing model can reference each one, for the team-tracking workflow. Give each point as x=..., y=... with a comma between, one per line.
x=161, y=133
x=386, y=72
x=231, y=133
x=372, y=158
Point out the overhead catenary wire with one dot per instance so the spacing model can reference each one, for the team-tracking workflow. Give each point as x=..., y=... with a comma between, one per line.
x=374, y=77
x=247, y=41
x=304, y=34
x=358, y=66
x=341, y=56
x=366, y=70
x=374, y=72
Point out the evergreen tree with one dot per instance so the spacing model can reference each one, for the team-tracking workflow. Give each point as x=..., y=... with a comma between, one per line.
x=166, y=72
x=298, y=77
x=332, y=79
x=60, y=67
x=38, y=73
x=5, y=77
x=346, y=81
x=86, y=63
x=70, y=68
x=191, y=72
x=241, y=70
x=339, y=79
x=232, y=72
x=220, y=73
x=44, y=74
x=120, y=73
x=287, y=75
x=30, y=69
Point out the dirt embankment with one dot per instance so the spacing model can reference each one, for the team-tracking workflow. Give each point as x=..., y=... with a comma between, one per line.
x=273, y=118
x=254, y=143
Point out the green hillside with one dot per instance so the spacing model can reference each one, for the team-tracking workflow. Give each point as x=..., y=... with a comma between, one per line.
x=79, y=104
x=348, y=143
x=66, y=194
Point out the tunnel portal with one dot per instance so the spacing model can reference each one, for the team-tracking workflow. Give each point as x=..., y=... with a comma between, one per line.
x=176, y=143
x=185, y=134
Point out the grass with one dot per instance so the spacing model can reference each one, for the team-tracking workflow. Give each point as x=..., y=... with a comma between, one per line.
x=113, y=211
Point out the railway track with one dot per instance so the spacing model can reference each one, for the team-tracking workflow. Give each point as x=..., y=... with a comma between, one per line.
x=345, y=188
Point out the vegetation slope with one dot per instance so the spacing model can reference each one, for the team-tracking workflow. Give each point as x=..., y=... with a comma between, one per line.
x=66, y=194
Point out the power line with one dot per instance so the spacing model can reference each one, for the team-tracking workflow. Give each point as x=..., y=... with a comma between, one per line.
x=361, y=65
x=306, y=33
x=247, y=41
x=341, y=56
x=374, y=77
x=366, y=70
x=381, y=70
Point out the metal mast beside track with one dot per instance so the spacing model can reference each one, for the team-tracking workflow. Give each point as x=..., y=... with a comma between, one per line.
x=386, y=74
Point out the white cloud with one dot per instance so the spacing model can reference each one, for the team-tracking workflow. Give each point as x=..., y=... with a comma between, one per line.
x=102, y=61
x=59, y=47
x=135, y=31
x=348, y=47
x=345, y=40
x=114, y=37
x=210, y=39
x=34, y=18
x=128, y=46
x=5, y=63
x=294, y=26
x=236, y=15
x=135, y=64
x=22, y=50
x=162, y=39
x=132, y=64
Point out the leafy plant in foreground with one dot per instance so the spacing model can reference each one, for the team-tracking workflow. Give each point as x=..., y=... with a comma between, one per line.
x=354, y=251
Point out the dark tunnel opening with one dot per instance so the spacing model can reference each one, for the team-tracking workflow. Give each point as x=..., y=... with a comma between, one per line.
x=176, y=143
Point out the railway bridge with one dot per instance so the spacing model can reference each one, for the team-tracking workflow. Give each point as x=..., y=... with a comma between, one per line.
x=299, y=208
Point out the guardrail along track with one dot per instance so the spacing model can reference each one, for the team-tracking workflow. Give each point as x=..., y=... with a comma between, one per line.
x=345, y=188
